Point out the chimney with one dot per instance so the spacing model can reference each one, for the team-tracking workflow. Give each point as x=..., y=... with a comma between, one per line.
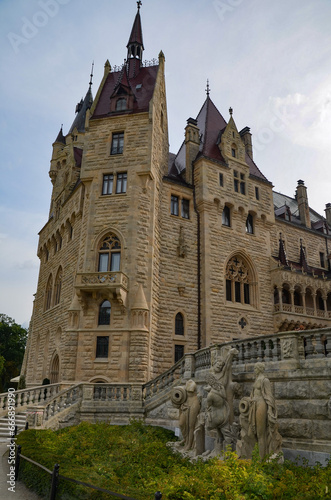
x=246, y=137
x=328, y=213
x=302, y=199
x=192, y=144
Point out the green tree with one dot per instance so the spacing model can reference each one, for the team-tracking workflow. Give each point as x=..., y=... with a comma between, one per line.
x=12, y=345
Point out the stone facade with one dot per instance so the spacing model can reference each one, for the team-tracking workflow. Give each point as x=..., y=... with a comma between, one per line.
x=147, y=256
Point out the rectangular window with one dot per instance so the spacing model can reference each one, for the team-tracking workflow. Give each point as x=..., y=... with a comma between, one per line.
x=257, y=194
x=103, y=262
x=117, y=143
x=221, y=180
x=179, y=352
x=237, y=291
x=121, y=182
x=246, y=293
x=236, y=185
x=115, y=261
x=228, y=290
x=233, y=152
x=322, y=259
x=242, y=188
x=174, y=205
x=185, y=208
x=107, y=185
x=102, y=347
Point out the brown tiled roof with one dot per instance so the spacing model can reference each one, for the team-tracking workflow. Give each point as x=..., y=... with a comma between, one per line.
x=142, y=95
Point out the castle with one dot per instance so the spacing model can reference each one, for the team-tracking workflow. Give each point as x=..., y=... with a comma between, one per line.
x=149, y=255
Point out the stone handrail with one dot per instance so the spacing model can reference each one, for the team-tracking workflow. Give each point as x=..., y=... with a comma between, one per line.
x=165, y=380
x=39, y=413
x=31, y=395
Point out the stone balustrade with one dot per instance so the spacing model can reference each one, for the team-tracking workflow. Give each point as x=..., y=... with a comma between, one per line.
x=164, y=381
x=29, y=396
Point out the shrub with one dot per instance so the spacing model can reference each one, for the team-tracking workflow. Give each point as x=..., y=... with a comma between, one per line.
x=134, y=460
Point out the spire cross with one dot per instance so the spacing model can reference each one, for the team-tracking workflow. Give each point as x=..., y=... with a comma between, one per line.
x=139, y=4
x=208, y=88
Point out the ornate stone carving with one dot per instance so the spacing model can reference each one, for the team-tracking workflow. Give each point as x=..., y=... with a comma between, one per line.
x=182, y=248
x=219, y=413
x=258, y=419
x=189, y=410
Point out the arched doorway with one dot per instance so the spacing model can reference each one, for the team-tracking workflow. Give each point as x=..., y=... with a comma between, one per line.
x=55, y=370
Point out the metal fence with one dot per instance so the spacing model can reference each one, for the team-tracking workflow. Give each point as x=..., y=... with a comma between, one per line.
x=56, y=477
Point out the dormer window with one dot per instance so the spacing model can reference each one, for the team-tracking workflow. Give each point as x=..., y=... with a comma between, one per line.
x=121, y=104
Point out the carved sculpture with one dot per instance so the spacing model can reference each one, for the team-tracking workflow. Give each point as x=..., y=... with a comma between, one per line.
x=189, y=407
x=258, y=419
x=219, y=414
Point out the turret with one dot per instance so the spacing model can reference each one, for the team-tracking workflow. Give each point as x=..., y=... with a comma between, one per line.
x=192, y=143
x=302, y=200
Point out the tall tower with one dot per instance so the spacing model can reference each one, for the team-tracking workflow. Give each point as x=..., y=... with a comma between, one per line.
x=96, y=308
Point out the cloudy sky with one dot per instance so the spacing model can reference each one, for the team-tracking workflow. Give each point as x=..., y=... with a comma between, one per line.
x=270, y=61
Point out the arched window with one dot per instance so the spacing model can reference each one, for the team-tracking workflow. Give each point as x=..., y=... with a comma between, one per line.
x=110, y=254
x=58, y=285
x=249, y=224
x=104, y=313
x=48, y=294
x=226, y=221
x=55, y=369
x=179, y=324
x=238, y=281
x=121, y=104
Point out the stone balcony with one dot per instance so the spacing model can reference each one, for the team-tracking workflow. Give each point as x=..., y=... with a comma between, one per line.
x=291, y=317
x=101, y=283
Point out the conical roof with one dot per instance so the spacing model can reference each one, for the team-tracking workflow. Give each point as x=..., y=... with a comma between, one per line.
x=60, y=137
x=136, y=32
x=81, y=108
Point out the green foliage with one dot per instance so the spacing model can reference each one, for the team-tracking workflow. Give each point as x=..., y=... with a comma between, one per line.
x=12, y=345
x=134, y=460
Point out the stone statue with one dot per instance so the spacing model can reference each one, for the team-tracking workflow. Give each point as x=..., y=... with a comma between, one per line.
x=258, y=419
x=189, y=407
x=219, y=411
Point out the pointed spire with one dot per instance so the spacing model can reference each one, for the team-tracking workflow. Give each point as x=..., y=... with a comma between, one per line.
x=60, y=137
x=82, y=107
x=282, y=253
x=135, y=44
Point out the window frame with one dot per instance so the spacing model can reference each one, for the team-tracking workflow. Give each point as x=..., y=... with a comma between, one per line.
x=226, y=216
x=185, y=208
x=102, y=314
x=107, y=181
x=117, y=143
x=181, y=348
x=121, y=182
x=179, y=324
x=102, y=351
x=174, y=205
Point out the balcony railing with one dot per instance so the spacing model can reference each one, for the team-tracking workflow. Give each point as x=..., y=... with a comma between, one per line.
x=116, y=282
x=303, y=311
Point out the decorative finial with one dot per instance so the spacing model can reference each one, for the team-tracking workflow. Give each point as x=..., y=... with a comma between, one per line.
x=91, y=75
x=61, y=126
x=208, y=89
x=139, y=4
x=230, y=111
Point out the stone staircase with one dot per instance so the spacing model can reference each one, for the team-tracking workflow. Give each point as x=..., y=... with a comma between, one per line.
x=20, y=420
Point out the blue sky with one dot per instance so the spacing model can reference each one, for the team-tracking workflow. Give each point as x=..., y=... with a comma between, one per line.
x=270, y=61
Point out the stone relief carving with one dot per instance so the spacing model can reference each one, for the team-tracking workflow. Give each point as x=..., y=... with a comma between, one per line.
x=258, y=419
